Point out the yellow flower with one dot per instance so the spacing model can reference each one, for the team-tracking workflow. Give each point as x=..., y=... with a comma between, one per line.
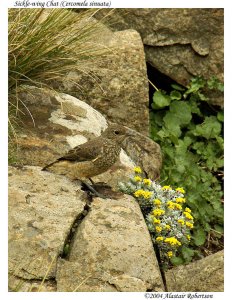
x=188, y=237
x=181, y=190
x=187, y=215
x=172, y=241
x=137, y=170
x=159, y=238
x=170, y=253
x=138, y=193
x=188, y=210
x=158, y=212
x=190, y=225
x=157, y=202
x=170, y=204
x=167, y=227
x=166, y=187
x=178, y=206
x=180, y=200
x=137, y=178
x=142, y=193
x=156, y=221
x=147, y=181
x=158, y=228
x=180, y=221
x=147, y=194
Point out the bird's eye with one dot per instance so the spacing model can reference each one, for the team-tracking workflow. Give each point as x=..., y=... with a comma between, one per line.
x=116, y=132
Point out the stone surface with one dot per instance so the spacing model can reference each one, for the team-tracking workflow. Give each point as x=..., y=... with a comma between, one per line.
x=117, y=84
x=205, y=275
x=60, y=122
x=180, y=43
x=145, y=153
x=42, y=209
x=112, y=251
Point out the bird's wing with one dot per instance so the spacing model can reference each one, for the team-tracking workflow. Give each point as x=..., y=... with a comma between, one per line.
x=82, y=153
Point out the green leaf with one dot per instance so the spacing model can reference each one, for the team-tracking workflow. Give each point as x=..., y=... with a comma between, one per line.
x=210, y=128
x=160, y=100
x=178, y=87
x=219, y=228
x=214, y=83
x=199, y=236
x=176, y=260
x=171, y=122
x=201, y=96
x=195, y=85
x=175, y=95
x=187, y=253
x=182, y=111
x=220, y=116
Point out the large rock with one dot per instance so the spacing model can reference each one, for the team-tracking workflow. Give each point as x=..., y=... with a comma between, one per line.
x=180, y=43
x=112, y=251
x=207, y=275
x=42, y=210
x=117, y=85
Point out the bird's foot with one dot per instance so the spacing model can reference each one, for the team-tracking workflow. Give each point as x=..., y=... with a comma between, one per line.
x=94, y=192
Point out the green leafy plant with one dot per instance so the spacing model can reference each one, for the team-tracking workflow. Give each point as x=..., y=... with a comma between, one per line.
x=190, y=133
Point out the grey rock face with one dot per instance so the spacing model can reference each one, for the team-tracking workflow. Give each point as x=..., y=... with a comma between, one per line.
x=112, y=251
x=180, y=43
x=205, y=275
x=42, y=209
x=117, y=85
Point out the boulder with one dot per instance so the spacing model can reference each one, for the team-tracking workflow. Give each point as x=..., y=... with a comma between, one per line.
x=181, y=43
x=116, y=84
x=42, y=210
x=112, y=252
x=207, y=275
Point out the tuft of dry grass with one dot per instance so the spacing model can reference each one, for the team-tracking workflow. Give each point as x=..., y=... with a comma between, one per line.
x=44, y=45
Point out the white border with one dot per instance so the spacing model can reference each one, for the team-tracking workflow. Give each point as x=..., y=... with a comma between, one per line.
x=228, y=137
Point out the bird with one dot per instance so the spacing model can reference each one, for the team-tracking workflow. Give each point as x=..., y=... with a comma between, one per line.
x=92, y=158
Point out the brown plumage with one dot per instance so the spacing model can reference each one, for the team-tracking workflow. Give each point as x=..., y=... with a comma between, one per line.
x=93, y=157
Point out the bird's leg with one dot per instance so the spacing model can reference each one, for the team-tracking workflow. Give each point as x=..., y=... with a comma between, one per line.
x=90, y=188
x=91, y=180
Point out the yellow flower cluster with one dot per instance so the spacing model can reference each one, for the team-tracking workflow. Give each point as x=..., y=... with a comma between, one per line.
x=157, y=202
x=180, y=200
x=158, y=212
x=181, y=190
x=188, y=210
x=166, y=187
x=188, y=215
x=167, y=227
x=142, y=193
x=172, y=241
x=188, y=237
x=190, y=225
x=137, y=178
x=158, y=228
x=147, y=181
x=156, y=221
x=159, y=239
x=172, y=205
x=169, y=254
x=137, y=170
x=180, y=221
